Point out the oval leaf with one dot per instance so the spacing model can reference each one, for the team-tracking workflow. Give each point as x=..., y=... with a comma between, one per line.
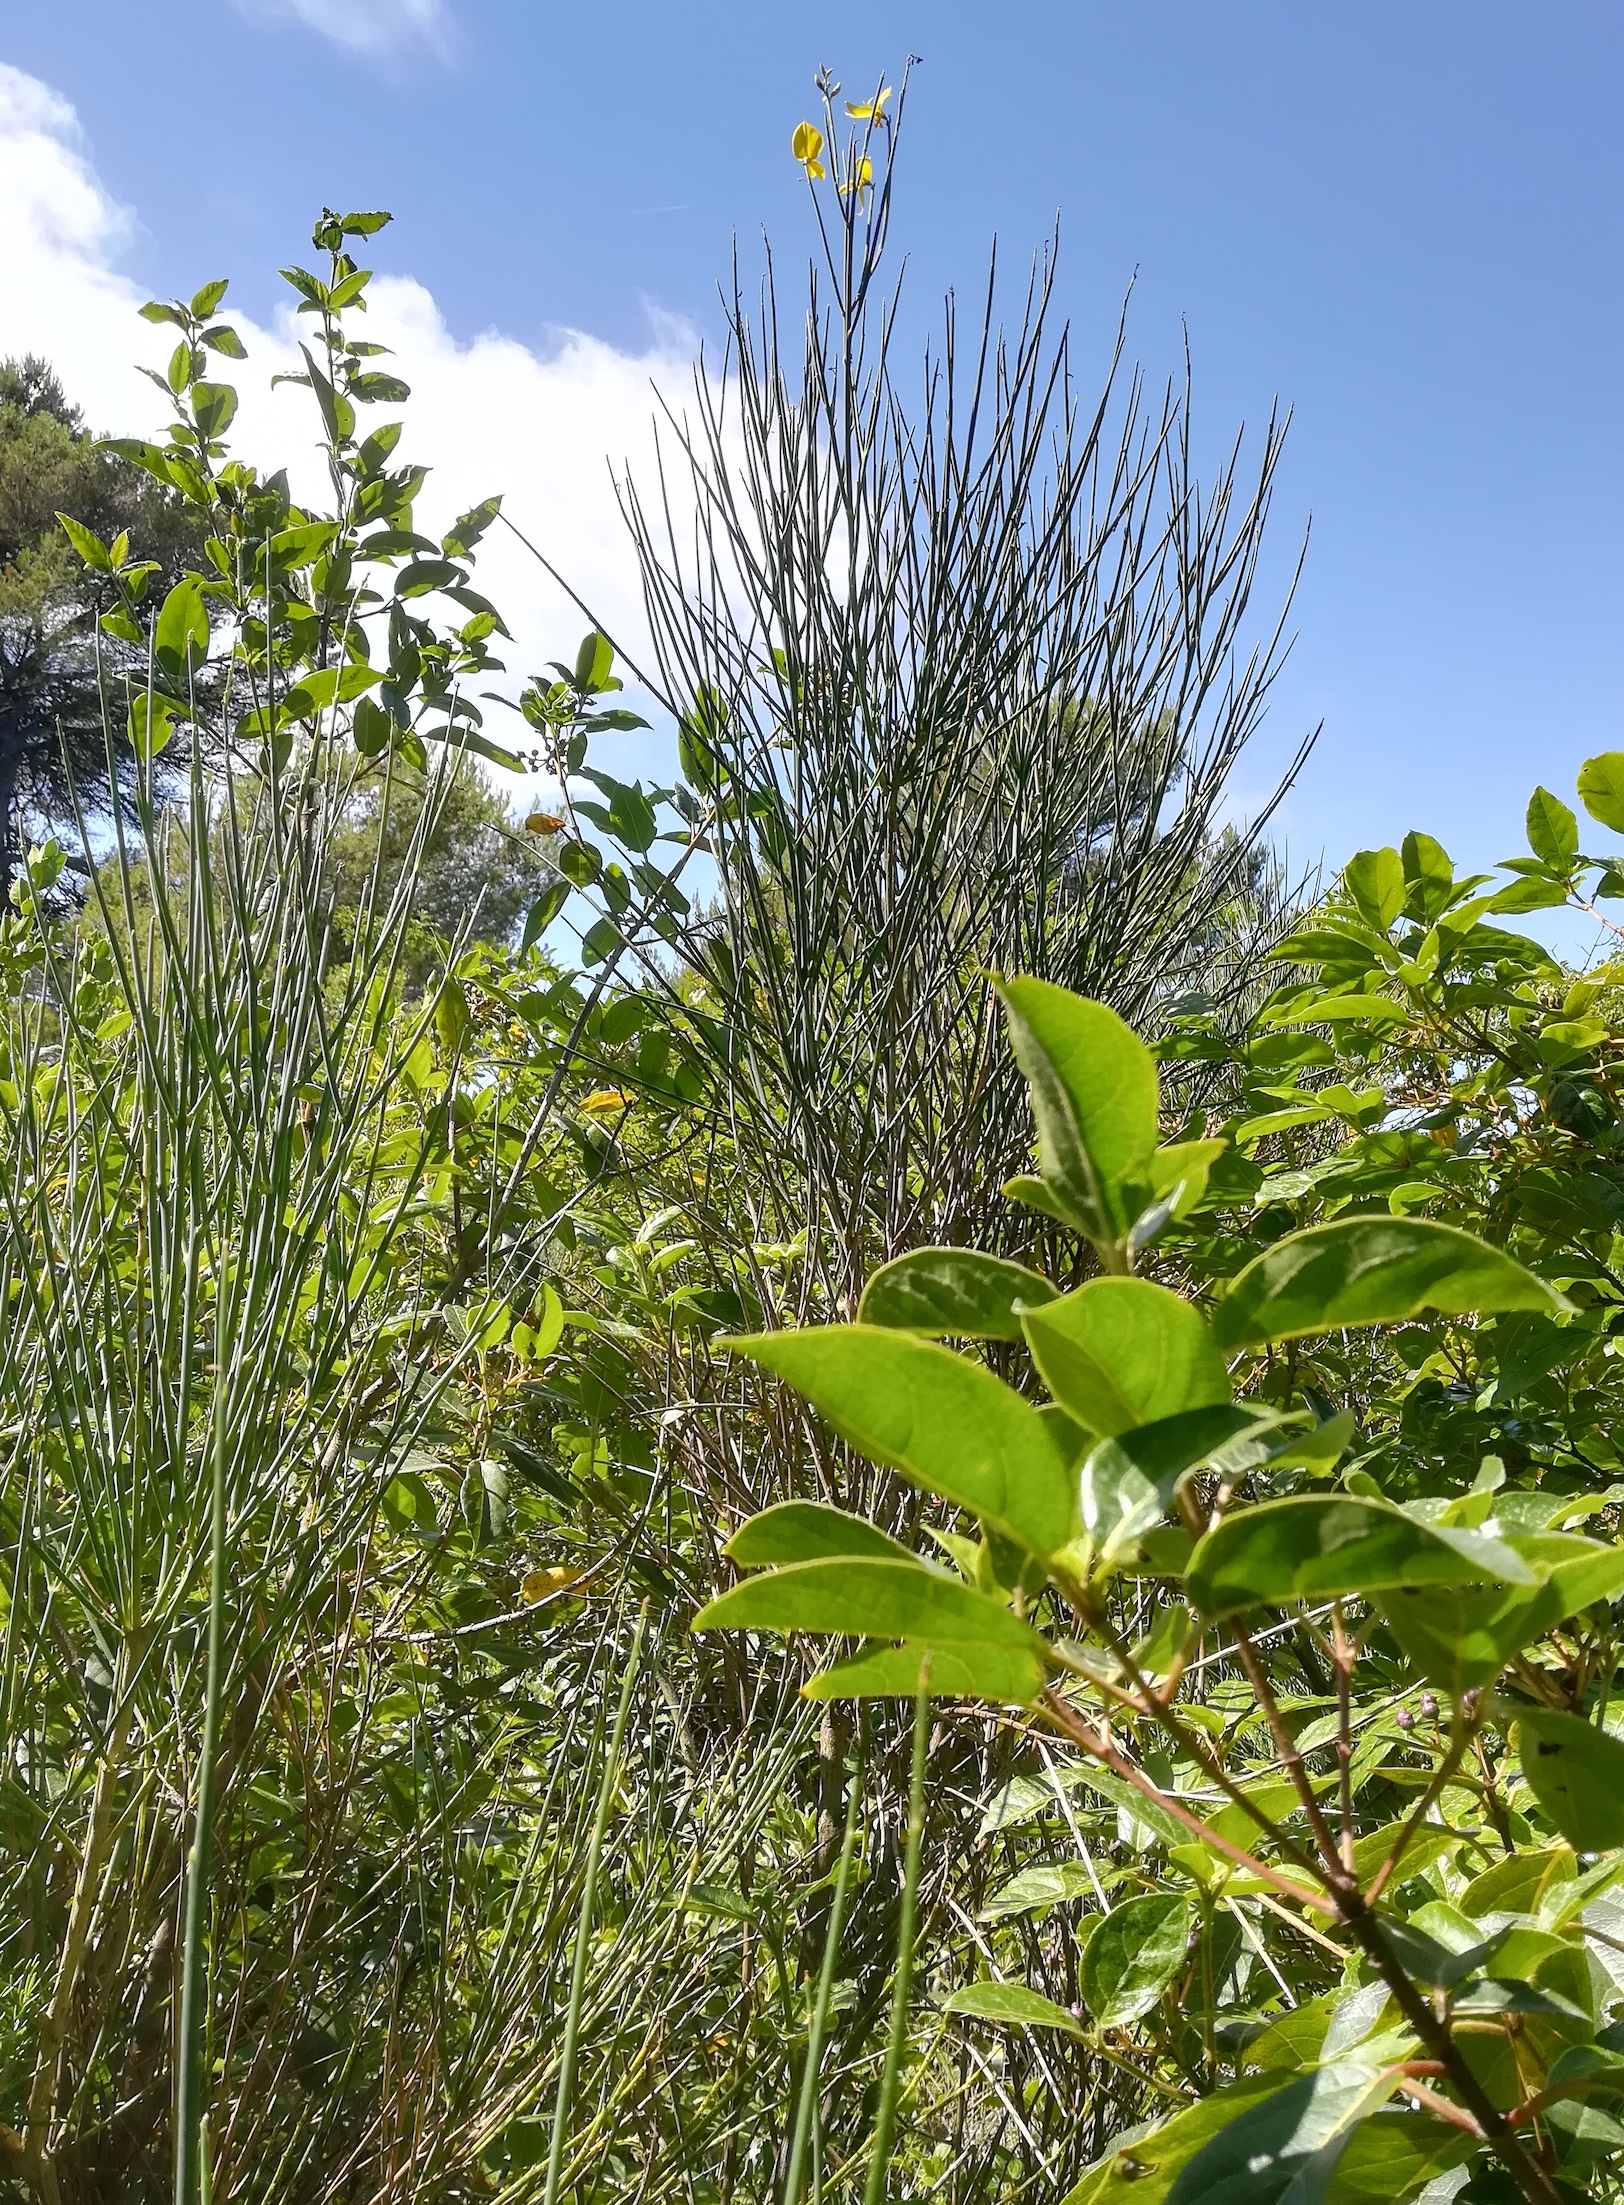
x=955, y=1291
x=1576, y=1772
x=1122, y=1352
x=1370, y=1271
x=1133, y=1956
x=1010, y=1675
x=1324, y=1546
x=947, y=1424
x=803, y=1531
x=1094, y=1096
x=1601, y=788
x=1011, y=2003
x=855, y=1597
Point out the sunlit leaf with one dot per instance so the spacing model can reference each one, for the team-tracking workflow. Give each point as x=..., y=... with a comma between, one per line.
x=1371, y=1270
x=1121, y=1352
x=954, y=1291
x=948, y=1424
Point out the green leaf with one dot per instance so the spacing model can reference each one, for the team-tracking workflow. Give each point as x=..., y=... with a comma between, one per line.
x=88, y=544
x=1133, y=1956
x=1121, y=1352
x=946, y=1423
x=214, y=408
x=1283, y=2150
x=1461, y=1637
x=1010, y=1676
x=207, y=301
x=1576, y=1772
x=1051, y=1883
x=1371, y=1270
x=1143, y=2169
x=803, y=1531
x=1429, y=877
x=1396, y=2158
x=424, y=575
x=1553, y=832
x=1601, y=788
x=1094, y=1096
x=856, y=1596
x=1324, y=1546
x=593, y=661
x=1012, y=2004
x=152, y=724
x=1375, y=881
x=1327, y=1010
x=375, y=388
x=1128, y=1800
x=1532, y=894
x=468, y=527
x=543, y=912
x=226, y=342
x=952, y=1290
x=181, y=637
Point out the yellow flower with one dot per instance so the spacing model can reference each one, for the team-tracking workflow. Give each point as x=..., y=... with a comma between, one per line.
x=806, y=145
x=870, y=110
x=542, y=1584
x=862, y=175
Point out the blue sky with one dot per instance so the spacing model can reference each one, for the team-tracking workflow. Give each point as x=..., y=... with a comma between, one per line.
x=1405, y=220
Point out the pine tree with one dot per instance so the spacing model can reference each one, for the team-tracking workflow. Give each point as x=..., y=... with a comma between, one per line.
x=53, y=659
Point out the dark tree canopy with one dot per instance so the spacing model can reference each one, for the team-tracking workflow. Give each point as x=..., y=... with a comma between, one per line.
x=52, y=729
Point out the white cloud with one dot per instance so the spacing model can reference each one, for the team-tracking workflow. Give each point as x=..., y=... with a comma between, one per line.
x=488, y=415
x=364, y=26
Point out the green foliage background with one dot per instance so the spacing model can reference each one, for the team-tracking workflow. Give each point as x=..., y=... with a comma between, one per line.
x=589, y=1608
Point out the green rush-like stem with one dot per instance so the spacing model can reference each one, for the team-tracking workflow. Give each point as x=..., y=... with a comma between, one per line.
x=583, y=1934
x=826, y=1981
x=885, y=2118
x=189, y=2114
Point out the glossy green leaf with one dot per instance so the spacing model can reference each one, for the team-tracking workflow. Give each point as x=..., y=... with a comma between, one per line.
x=1127, y=1483
x=593, y=661
x=1553, y=832
x=946, y=1423
x=1133, y=1956
x=1287, y=2146
x=87, y=544
x=1011, y=1676
x=1325, y=1546
x=1121, y=1352
x=1094, y=1096
x=1051, y=1883
x=214, y=408
x=955, y=1291
x=180, y=637
x=1461, y=1637
x=1013, y=2005
x=543, y=912
x=1388, y=2161
x=1575, y=1770
x=151, y=724
x=1375, y=881
x=858, y=1597
x=1429, y=877
x=1371, y=1270
x=1601, y=788
x=1143, y=2169
x=801, y=1531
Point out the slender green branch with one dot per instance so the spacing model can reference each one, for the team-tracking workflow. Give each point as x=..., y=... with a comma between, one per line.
x=583, y=1934
x=885, y=2119
x=826, y=1978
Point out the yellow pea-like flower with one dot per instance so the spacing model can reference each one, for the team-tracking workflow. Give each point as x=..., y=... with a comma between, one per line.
x=806, y=145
